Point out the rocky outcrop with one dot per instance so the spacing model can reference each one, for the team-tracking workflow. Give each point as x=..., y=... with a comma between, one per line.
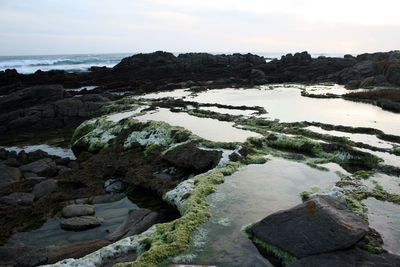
x=42, y=112
x=81, y=223
x=137, y=222
x=189, y=156
x=320, y=225
x=18, y=198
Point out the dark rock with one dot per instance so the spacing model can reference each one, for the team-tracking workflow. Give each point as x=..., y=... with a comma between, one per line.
x=234, y=156
x=114, y=186
x=43, y=167
x=81, y=223
x=107, y=198
x=349, y=258
x=22, y=256
x=188, y=156
x=8, y=175
x=320, y=225
x=77, y=210
x=32, y=95
x=44, y=188
x=137, y=222
x=24, y=199
x=295, y=156
x=12, y=162
x=37, y=155
x=75, y=250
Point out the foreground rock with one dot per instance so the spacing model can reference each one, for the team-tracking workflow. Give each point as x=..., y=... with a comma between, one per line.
x=43, y=167
x=349, y=258
x=81, y=223
x=77, y=210
x=24, y=199
x=317, y=226
x=137, y=222
x=188, y=156
x=44, y=188
x=8, y=175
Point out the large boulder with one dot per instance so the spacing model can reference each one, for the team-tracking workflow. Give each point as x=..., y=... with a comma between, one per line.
x=137, y=222
x=349, y=258
x=190, y=157
x=320, y=225
x=8, y=175
x=81, y=223
x=77, y=210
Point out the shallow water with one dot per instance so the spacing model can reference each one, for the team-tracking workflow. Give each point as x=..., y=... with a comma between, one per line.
x=230, y=111
x=123, y=115
x=390, y=184
x=363, y=138
x=51, y=233
x=287, y=105
x=384, y=217
x=389, y=159
x=51, y=150
x=89, y=88
x=210, y=129
x=247, y=196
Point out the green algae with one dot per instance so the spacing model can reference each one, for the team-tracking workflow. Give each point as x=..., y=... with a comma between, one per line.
x=174, y=237
x=285, y=257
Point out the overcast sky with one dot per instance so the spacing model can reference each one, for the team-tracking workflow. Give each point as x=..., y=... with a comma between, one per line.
x=29, y=27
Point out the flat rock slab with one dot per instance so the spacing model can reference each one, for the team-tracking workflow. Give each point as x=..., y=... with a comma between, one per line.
x=320, y=225
x=81, y=223
x=43, y=167
x=77, y=210
x=138, y=221
x=24, y=199
x=349, y=258
x=44, y=188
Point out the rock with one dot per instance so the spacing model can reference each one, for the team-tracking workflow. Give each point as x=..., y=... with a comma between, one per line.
x=24, y=199
x=75, y=250
x=22, y=256
x=137, y=222
x=81, y=223
x=31, y=95
x=320, y=225
x=107, y=198
x=77, y=210
x=44, y=188
x=9, y=175
x=114, y=186
x=37, y=155
x=190, y=157
x=12, y=162
x=349, y=258
x=43, y=167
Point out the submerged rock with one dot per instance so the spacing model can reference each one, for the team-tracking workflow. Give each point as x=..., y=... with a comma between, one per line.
x=77, y=210
x=113, y=186
x=81, y=223
x=320, y=225
x=188, y=156
x=349, y=258
x=137, y=222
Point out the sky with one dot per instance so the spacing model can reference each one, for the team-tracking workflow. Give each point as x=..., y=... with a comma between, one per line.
x=44, y=27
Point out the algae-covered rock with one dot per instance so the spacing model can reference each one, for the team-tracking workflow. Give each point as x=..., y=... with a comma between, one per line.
x=320, y=225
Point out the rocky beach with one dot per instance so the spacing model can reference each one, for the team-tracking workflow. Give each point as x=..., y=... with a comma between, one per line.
x=197, y=158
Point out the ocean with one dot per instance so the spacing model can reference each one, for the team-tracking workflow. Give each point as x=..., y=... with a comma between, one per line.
x=82, y=62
